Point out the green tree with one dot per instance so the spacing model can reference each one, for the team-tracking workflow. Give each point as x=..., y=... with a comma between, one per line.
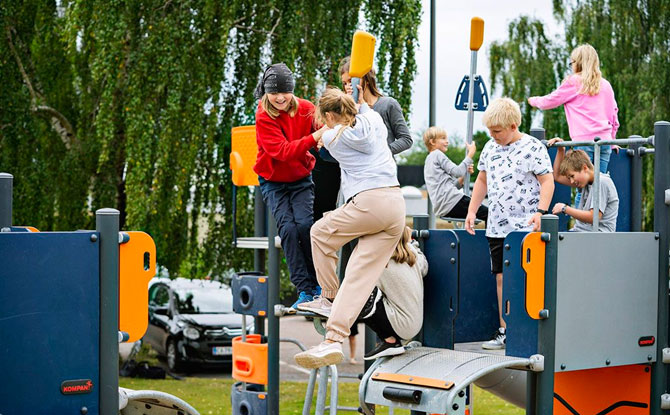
x=129, y=104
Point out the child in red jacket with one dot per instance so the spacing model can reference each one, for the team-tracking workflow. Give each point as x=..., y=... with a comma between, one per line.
x=285, y=133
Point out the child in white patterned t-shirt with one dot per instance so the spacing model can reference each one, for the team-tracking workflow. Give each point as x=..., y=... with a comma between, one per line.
x=516, y=172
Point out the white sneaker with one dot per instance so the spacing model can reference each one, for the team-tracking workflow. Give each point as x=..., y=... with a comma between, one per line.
x=320, y=305
x=498, y=340
x=325, y=354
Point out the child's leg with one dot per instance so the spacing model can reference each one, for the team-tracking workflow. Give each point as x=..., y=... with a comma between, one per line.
x=380, y=324
x=499, y=290
x=496, y=250
x=460, y=210
x=302, y=201
x=378, y=216
x=278, y=197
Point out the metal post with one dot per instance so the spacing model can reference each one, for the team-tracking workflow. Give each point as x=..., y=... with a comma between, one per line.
x=544, y=398
x=595, y=189
x=260, y=230
x=659, y=373
x=107, y=225
x=635, y=186
x=273, y=321
x=420, y=223
x=431, y=90
x=471, y=113
x=6, y=185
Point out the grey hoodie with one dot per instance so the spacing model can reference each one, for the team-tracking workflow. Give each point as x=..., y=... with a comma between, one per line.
x=363, y=154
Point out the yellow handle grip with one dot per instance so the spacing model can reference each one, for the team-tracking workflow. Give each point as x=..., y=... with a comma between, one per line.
x=362, y=54
x=476, y=33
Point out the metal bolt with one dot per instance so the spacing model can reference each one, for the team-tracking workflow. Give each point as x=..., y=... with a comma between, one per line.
x=507, y=247
x=561, y=237
x=455, y=407
x=83, y=410
x=9, y=230
x=452, y=260
x=411, y=379
x=453, y=245
x=94, y=237
x=646, y=369
x=607, y=362
x=544, y=313
x=657, y=236
x=649, y=357
x=507, y=262
x=563, y=366
x=461, y=394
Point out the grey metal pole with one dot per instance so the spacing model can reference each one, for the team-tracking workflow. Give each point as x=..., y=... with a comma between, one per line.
x=595, y=189
x=273, y=321
x=107, y=225
x=431, y=105
x=659, y=373
x=6, y=188
x=431, y=90
x=635, y=186
x=260, y=230
x=538, y=132
x=547, y=327
x=471, y=113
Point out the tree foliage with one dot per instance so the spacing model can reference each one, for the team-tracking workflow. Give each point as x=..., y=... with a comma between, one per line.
x=129, y=104
x=632, y=38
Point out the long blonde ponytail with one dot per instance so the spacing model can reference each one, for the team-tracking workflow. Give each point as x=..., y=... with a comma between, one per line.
x=335, y=101
x=403, y=253
x=587, y=64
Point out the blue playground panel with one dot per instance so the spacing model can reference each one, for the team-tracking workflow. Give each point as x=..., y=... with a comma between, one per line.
x=521, y=329
x=49, y=321
x=562, y=194
x=458, y=309
x=620, y=170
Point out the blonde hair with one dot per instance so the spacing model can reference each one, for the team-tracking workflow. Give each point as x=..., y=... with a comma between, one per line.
x=432, y=133
x=574, y=160
x=403, y=253
x=502, y=112
x=368, y=81
x=274, y=112
x=335, y=101
x=587, y=64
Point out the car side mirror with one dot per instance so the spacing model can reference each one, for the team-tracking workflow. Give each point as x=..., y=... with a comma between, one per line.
x=163, y=311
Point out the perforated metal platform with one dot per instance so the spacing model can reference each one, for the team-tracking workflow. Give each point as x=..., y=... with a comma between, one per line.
x=440, y=375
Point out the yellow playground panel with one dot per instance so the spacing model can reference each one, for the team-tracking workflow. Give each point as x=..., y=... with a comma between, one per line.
x=243, y=155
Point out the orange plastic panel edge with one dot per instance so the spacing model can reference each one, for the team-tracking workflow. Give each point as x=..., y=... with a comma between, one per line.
x=134, y=276
x=413, y=380
x=592, y=391
x=250, y=360
x=243, y=155
x=532, y=261
x=29, y=228
x=362, y=54
x=476, y=33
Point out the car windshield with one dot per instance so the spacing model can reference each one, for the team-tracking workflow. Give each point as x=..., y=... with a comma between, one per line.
x=204, y=300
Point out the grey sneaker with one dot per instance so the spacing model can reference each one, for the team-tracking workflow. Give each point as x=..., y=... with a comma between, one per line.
x=325, y=354
x=320, y=305
x=497, y=342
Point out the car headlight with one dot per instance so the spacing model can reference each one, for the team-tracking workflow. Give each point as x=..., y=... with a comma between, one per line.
x=191, y=333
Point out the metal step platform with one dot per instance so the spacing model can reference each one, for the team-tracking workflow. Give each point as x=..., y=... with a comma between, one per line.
x=433, y=380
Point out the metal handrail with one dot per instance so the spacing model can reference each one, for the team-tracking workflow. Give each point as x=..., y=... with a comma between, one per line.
x=596, y=143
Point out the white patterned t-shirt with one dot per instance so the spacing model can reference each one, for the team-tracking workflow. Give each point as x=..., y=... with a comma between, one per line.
x=512, y=185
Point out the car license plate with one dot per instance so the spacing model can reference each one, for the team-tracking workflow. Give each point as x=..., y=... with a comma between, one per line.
x=222, y=350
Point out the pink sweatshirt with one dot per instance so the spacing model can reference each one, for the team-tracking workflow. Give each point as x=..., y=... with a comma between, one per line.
x=588, y=116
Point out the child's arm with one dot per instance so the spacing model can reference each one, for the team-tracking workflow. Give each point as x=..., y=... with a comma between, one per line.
x=273, y=141
x=585, y=216
x=560, y=154
x=546, y=192
x=478, y=194
x=403, y=138
x=560, y=96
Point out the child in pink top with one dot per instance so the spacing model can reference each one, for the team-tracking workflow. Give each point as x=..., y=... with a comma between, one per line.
x=588, y=99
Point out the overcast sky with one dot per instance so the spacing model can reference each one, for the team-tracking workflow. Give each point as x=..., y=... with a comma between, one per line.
x=452, y=36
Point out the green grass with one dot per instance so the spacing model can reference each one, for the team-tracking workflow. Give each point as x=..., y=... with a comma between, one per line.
x=212, y=396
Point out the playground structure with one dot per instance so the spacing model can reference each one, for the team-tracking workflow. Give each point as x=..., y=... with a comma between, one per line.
x=587, y=318
x=67, y=299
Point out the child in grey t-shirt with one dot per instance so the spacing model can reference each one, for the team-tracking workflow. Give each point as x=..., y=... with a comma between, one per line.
x=444, y=178
x=575, y=169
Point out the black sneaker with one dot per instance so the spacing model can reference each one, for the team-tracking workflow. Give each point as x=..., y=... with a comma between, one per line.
x=370, y=305
x=385, y=349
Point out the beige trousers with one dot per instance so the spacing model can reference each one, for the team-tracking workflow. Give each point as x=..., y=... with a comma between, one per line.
x=377, y=218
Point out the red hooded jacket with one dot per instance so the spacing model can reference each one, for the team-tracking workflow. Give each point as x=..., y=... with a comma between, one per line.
x=284, y=143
